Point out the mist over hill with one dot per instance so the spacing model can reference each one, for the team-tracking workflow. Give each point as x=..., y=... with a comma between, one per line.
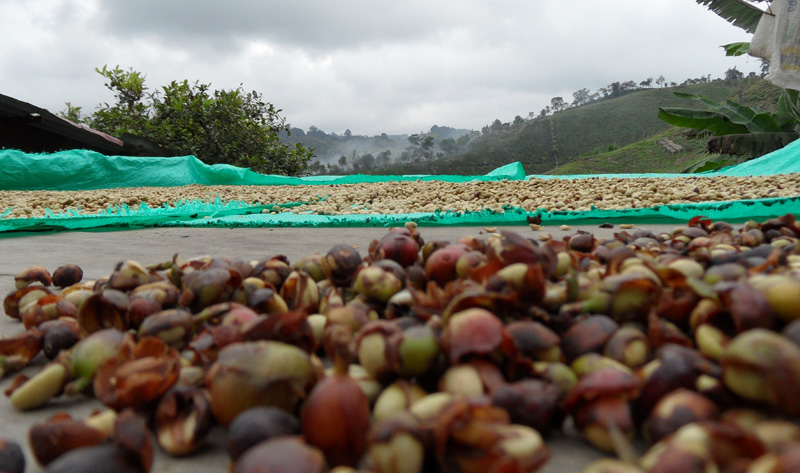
x=358, y=153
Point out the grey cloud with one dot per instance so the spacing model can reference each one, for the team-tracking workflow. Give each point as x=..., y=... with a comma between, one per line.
x=365, y=65
x=317, y=25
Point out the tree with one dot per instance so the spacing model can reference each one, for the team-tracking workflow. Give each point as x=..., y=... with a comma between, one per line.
x=733, y=74
x=518, y=120
x=580, y=97
x=427, y=143
x=315, y=168
x=72, y=113
x=661, y=81
x=224, y=126
x=130, y=114
x=384, y=158
x=463, y=140
x=420, y=147
x=647, y=83
x=343, y=161
x=448, y=145
x=366, y=161
x=558, y=104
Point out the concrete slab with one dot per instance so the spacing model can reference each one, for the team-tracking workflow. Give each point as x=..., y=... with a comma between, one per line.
x=98, y=252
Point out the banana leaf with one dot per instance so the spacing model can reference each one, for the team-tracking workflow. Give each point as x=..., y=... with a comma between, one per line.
x=787, y=105
x=736, y=49
x=737, y=12
x=701, y=120
x=753, y=120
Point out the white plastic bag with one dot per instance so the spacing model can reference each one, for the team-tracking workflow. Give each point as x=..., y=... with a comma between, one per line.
x=761, y=44
x=777, y=39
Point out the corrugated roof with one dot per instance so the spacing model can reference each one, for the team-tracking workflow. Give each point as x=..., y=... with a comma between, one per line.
x=35, y=130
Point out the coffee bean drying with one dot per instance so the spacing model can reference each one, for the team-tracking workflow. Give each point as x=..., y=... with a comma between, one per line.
x=427, y=356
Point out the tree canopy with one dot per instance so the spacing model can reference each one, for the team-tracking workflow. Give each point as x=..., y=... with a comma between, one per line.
x=221, y=126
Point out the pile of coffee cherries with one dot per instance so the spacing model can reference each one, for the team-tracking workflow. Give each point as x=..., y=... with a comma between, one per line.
x=673, y=352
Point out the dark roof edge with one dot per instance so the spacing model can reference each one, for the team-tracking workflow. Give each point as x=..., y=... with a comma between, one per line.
x=33, y=129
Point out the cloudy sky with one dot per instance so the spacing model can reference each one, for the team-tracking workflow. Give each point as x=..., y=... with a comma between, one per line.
x=370, y=66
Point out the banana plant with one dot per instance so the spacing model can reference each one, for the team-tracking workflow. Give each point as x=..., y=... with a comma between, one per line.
x=738, y=129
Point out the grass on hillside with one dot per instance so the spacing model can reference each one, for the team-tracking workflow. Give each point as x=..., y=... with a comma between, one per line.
x=649, y=156
x=645, y=156
x=617, y=122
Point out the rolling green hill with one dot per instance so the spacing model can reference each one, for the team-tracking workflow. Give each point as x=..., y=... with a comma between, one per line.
x=649, y=155
x=618, y=135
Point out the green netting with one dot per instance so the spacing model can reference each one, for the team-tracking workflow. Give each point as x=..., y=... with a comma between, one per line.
x=783, y=161
x=738, y=211
x=85, y=170
x=88, y=170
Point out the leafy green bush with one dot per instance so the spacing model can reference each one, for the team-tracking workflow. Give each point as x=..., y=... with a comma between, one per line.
x=224, y=126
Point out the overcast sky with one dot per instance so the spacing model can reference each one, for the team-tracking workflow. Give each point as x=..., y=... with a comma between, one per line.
x=369, y=66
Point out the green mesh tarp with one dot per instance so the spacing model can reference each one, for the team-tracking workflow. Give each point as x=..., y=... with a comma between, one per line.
x=783, y=161
x=86, y=170
x=733, y=212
